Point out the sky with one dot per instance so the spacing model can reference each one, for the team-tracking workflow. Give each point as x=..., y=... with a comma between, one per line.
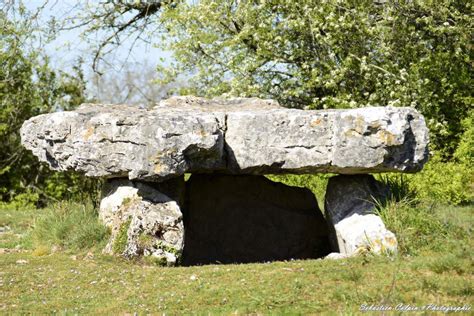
x=65, y=50
x=115, y=86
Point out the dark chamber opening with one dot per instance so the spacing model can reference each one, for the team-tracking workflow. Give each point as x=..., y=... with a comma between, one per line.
x=245, y=218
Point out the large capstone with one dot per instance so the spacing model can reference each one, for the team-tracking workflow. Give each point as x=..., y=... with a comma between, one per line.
x=354, y=226
x=232, y=218
x=143, y=220
x=236, y=136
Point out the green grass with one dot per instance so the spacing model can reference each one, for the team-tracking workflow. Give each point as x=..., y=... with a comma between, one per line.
x=57, y=283
x=120, y=242
x=439, y=272
x=16, y=224
x=68, y=225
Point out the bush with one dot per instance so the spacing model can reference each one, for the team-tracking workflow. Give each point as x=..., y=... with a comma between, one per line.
x=438, y=182
x=445, y=182
x=70, y=226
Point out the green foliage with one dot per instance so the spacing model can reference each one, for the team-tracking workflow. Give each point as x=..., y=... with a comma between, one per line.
x=316, y=183
x=438, y=182
x=168, y=249
x=445, y=182
x=28, y=87
x=325, y=54
x=465, y=151
x=399, y=187
x=69, y=225
x=120, y=241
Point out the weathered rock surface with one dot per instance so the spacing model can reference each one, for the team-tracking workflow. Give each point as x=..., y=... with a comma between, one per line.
x=143, y=220
x=349, y=206
x=123, y=141
x=236, y=218
x=240, y=136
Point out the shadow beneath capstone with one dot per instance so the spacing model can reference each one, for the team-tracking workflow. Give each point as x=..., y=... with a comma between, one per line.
x=245, y=219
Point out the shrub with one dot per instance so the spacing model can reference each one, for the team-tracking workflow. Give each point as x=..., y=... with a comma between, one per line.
x=465, y=151
x=69, y=225
x=445, y=182
x=439, y=182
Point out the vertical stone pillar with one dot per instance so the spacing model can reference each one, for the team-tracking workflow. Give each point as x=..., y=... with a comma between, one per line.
x=353, y=225
x=144, y=218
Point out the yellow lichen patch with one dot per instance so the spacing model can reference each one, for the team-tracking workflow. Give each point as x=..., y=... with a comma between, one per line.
x=158, y=168
x=202, y=133
x=375, y=125
x=316, y=122
x=386, y=137
x=391, y=241
x=359, y=124
x=351, y=133
x=88, y=133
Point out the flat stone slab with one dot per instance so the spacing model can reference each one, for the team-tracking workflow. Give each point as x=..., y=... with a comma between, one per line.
x=237, y=136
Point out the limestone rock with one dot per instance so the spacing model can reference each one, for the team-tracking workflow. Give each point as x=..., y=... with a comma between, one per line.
x=143, y=220
x=232, y=218
x=239, y=136
x=336, y=256
x=349, y=205
x=360, y=233
x=338, y=141
x=122, y=141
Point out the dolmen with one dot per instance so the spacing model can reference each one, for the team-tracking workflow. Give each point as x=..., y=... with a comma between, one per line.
x=185, y=181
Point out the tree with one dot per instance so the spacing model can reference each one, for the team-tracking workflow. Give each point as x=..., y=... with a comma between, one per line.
x=134, y=84
x=28, y=87
x=113, y=22
x=308, y=53
x=342, y=54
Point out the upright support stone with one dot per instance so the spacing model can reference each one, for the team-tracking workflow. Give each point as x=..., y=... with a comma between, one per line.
x=143, y=220
x=349, y=207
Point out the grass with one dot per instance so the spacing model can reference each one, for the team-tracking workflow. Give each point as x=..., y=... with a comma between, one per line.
x=120, y=242
x=58, y=283
x=68, y=225
x=34, y=279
